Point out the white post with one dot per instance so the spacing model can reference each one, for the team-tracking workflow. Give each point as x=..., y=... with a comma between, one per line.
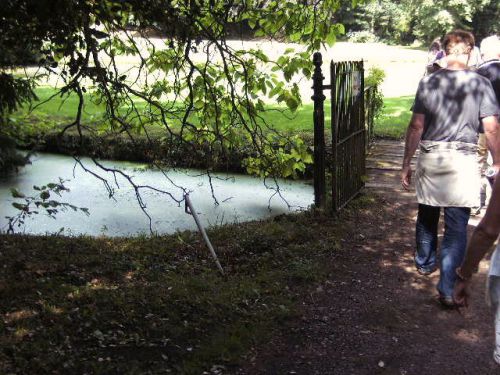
x=192, y=211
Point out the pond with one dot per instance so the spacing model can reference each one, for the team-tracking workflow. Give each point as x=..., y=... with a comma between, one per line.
x=241, y=198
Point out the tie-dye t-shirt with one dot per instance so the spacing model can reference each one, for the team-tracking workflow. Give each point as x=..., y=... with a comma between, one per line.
x=453, y=102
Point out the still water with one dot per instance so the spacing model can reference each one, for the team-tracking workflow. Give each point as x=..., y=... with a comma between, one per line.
x=241, y=198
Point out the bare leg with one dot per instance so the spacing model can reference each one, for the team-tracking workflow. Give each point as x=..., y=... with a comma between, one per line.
x=494, y=294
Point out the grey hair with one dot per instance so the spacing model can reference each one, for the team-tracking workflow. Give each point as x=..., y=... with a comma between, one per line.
x=490, y=45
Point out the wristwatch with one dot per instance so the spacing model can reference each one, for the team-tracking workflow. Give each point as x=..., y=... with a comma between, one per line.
x=490, y=175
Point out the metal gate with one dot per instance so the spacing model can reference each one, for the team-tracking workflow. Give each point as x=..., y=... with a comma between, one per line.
x=348, y=131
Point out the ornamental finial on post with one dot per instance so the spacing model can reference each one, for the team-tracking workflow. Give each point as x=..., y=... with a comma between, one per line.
x=319, y=133
x=317, y=58
x=318, y=77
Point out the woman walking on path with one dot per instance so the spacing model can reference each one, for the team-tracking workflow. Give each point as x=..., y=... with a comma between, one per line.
x=450, y=107
x=488, y=229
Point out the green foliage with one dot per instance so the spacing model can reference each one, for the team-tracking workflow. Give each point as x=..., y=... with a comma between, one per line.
x=403, y=21
x=14, y=91
x=434, y=19
x=199, y=87
x=439, y=17
x=10, y=159
x=485, y=20
x=364, y=36
x=40, y=202
x=376, y=20
x=375, y=78
x=292, y=158
x=47, y=116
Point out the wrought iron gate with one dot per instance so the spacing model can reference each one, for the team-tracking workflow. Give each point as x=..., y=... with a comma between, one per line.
x=348, y=130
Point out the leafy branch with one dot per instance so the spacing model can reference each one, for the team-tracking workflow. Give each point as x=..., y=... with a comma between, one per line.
x=41, y=202
x=203, y=90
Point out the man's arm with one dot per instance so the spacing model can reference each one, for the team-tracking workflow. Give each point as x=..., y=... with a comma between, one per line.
x=413, y=136
x=492, y=133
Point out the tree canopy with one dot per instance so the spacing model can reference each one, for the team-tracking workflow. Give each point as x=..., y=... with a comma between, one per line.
x=403, y=21
x=203, y=89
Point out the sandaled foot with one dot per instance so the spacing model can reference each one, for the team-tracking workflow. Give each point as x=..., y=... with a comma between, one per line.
x=447, y=302
x=425, y=271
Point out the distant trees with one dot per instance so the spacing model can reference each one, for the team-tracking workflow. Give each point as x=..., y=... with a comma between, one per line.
x=403, y=21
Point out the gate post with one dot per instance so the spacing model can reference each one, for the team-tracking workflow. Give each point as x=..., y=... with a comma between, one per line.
x=319, y=132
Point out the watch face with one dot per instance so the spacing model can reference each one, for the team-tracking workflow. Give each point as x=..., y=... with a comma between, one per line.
x=490, y=172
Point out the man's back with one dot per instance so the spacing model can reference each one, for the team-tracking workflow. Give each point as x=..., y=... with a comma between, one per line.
x=453, y=101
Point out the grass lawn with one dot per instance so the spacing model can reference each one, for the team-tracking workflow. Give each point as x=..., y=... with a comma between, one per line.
x=46, y=114
x=62, y=108
x=394, y=118
x=44, y=117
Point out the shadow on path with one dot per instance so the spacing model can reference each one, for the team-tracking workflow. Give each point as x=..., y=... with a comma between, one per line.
x=375, y=314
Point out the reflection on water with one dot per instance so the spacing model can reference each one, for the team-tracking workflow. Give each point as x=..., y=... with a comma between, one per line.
x=241, y=198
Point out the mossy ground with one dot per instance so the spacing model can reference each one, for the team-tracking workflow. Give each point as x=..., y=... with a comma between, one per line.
x=156, y=304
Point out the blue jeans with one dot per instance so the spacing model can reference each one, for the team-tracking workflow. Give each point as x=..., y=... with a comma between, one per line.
x=452, y=247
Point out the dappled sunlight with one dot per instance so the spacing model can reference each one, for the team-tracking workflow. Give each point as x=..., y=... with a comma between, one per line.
x=20, y=333
x=470, y=336
x=101, y=284
x=412, y=300
x=55, y=310
x=160, y=300
x=418, y=284
x=396, y=113
x=446, y=89
x=14, y=316
x=129, y=276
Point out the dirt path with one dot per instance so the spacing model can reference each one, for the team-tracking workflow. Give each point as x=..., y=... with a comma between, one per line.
x=375, y=314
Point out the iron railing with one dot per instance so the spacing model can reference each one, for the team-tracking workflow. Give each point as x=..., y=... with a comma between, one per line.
x=348, y=131
x=351, y=128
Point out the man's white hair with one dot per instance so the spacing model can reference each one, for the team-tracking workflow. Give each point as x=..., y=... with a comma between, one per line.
x=490, y=45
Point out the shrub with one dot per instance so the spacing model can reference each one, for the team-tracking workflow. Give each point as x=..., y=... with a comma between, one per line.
x=375, y=78
x=10, y=159
x=362, y=37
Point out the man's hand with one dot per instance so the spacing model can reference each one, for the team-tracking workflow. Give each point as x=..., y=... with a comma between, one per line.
x=461, y=293
x=406, y=177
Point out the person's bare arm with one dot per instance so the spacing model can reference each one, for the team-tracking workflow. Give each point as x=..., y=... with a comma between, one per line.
x=484, y=235
x=413, y=136
x=481, y=241
x=492, y=133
